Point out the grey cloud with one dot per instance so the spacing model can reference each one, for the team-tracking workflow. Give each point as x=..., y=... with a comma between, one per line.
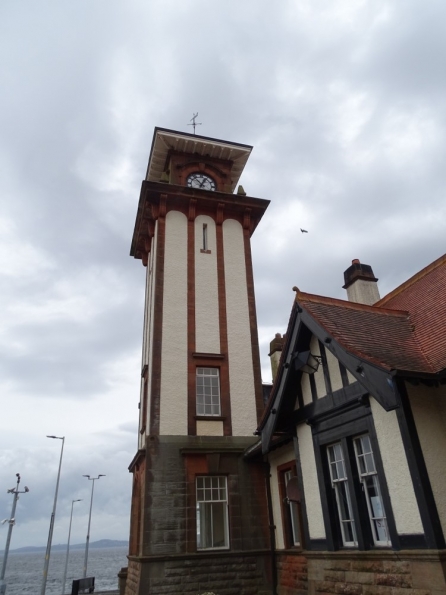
x=344, y=106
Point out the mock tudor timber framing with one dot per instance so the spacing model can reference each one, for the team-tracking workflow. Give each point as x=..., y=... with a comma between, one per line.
x=346, y=412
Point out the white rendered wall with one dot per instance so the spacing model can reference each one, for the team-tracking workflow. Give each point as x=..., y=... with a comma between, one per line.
x=207, y=327
x=148, y=335
x=145, y=342
x=319, y=375
x=276, y=458
x=306, y=389
x=145, y=332
x=209, y=428
x=275, y=360
x=363, y=292
x=396, y=469
x=351, y=378
x=173, y=398
x=152, y=278
x=429, y=411
x=311, y=485
x=241, y=375
x=333, y=370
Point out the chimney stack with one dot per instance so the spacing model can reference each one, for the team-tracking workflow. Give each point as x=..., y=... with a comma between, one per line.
x=275, y=351
x=361, y=284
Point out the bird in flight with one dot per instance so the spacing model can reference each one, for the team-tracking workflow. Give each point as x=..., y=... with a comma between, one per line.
x=303, y=230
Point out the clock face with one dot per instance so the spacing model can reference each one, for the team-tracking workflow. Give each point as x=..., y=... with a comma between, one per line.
x=202, y=181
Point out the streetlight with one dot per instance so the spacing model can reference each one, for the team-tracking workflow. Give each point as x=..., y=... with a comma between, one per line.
x=68, y=547
x=93, y=479
x=11, y=522
x=53, y=516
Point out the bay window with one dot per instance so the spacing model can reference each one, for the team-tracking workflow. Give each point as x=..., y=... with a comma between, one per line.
x=357, y=491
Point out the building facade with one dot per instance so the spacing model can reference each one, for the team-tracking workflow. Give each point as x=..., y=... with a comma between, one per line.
x=199, y=516
x=355, y=433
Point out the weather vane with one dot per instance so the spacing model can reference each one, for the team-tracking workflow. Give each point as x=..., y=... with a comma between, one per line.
x=194, y=124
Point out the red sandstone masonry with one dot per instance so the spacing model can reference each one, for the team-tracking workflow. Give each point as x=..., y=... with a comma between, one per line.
x=375, y=573
x=292, y=574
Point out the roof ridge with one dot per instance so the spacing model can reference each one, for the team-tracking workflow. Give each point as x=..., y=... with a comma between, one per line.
x=409, y=282
x=321, y=299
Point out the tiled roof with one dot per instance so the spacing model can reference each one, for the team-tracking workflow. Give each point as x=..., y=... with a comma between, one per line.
x=381, y=336
x=424, y=297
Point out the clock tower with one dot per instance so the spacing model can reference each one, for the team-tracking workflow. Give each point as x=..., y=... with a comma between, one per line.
x=198, y=503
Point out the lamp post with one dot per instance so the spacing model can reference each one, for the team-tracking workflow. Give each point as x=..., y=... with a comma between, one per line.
x=52, y=519
x=11, y=522
x=87, y=544
x=68, y=547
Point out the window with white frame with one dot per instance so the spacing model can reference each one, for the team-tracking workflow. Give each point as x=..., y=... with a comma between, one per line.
x=345, y=488
x=212, y=512
x=208, y=391
x=342, y=492
x=370, y=484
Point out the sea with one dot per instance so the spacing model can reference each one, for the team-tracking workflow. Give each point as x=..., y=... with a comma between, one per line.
x=24, y=571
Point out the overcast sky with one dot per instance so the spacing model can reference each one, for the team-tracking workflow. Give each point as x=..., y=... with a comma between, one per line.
x=344, y=103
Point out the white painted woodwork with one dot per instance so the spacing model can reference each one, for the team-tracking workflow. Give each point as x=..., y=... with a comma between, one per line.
x=173, y=402
x=207, y=327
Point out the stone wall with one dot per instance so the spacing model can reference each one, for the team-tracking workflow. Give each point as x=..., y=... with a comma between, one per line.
x=417, y=572
x=131, y=581
x=223, y=575
x=167, y=559
x=292, y=574
x=169, y=517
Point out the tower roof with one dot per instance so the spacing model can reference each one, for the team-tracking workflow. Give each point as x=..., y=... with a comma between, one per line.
x=165, y=141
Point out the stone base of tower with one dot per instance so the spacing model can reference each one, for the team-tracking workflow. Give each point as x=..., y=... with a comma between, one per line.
x=164, y=556
x=232, y=573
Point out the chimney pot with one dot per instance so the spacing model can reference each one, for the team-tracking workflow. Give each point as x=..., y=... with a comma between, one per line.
x=356, y=261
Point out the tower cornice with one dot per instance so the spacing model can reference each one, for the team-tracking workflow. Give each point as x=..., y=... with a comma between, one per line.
x=158, y=198
x=167, y=142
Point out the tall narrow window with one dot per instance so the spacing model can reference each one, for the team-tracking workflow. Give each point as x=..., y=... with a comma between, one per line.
x=370, y=483
x=208, y=391
x=205, y=236
x=339, y=482
x=294, y=516
x=212, y=513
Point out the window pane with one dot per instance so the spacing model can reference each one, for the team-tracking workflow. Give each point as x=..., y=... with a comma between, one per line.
x=219, y=510
x=208, y=391
x=204, y=530
x=342, y=494
x=372, y=491
x=293, y=512
x=212, y=513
